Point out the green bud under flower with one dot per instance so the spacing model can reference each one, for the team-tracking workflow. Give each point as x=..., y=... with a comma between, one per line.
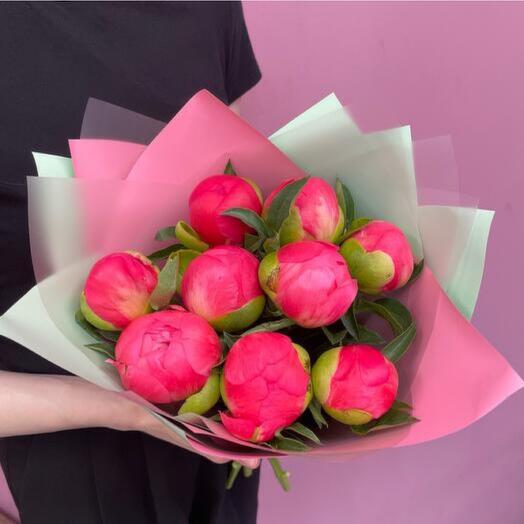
x=205, y=399
x=379, y=257
x=188, y=237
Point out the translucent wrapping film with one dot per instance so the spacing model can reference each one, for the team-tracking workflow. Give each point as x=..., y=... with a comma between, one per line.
x=133, y=176
x=103, y=120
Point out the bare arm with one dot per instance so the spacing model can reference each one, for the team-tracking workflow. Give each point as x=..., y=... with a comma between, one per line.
x=46, y=403
x=31, y=404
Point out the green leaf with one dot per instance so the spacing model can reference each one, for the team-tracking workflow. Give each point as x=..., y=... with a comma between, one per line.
x=275, y=325
x=164, y=253
x=401, y=406
x=279, y=208
x=355, y=226
x=186, y=256
x=393, y=418
x=250, y=218
x=111, y=336
x=392, y=310
x=271, y=244
x=288, y=444
x=105, y=348
x=395, y=349
x=253, y=242
x=346, y=202
x=369, y=336
x=272, y=311
x=228, y=340
x=349, y=321
x=316, y=412
x=281, y=475
x=334, y=338
x=417, y=270
x=165, y=233
x=229, y=169
x=304, y=431
x=359, y=223
x=167, y=282
x=85, y=325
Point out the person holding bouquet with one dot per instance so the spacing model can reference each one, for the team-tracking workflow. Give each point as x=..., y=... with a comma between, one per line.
x=95, y=459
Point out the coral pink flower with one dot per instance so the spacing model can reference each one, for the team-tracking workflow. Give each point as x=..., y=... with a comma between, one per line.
x=355, y=383
x=216, y=194
x=221, y=285
x=379, y=257
x=118, y=290
x=314, y=215
x=167, y=356
x=309, y=281
x=265, y=385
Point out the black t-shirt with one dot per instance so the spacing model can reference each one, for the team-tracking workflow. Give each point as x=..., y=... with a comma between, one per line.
x=146, y=56
x=150, y=57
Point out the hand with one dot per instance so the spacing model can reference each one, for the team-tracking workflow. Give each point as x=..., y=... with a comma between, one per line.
x=145, y=421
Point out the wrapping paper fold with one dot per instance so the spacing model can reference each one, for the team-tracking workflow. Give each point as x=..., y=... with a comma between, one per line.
x=130, y=167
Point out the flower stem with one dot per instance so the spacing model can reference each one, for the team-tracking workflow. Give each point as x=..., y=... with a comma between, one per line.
x=247, y=471
x=281, y=475
x=233, y=474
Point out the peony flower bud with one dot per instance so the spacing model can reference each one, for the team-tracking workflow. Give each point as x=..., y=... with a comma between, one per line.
x=118, y=289
x=265, y=385
x=221, y=285
x=354, y=383
x=216, y=194
x=169, y=356
x=309, y=281
x=314, y=214
x=379, y=257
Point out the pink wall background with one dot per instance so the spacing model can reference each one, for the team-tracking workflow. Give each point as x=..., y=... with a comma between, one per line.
x=444, y=68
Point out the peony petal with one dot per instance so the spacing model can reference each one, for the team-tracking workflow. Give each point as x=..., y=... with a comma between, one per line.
x=238, y=427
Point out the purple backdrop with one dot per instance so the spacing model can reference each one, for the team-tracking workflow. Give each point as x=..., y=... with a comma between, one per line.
x=448, y=68
x=444, y=68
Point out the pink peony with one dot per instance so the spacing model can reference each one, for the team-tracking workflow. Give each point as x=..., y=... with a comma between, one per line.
x=216, y=194
x=354, y=383
x=118, y=290
x=265, y=385
x=221, y=285
x=167, y=356
x=379, y=257
x=314, y=215
x=309, y=281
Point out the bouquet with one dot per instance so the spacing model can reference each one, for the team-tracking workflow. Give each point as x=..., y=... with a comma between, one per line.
x=263, y=297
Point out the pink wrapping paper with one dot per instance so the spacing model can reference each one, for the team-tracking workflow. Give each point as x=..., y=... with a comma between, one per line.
x=201, y=138
x=103, y=159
